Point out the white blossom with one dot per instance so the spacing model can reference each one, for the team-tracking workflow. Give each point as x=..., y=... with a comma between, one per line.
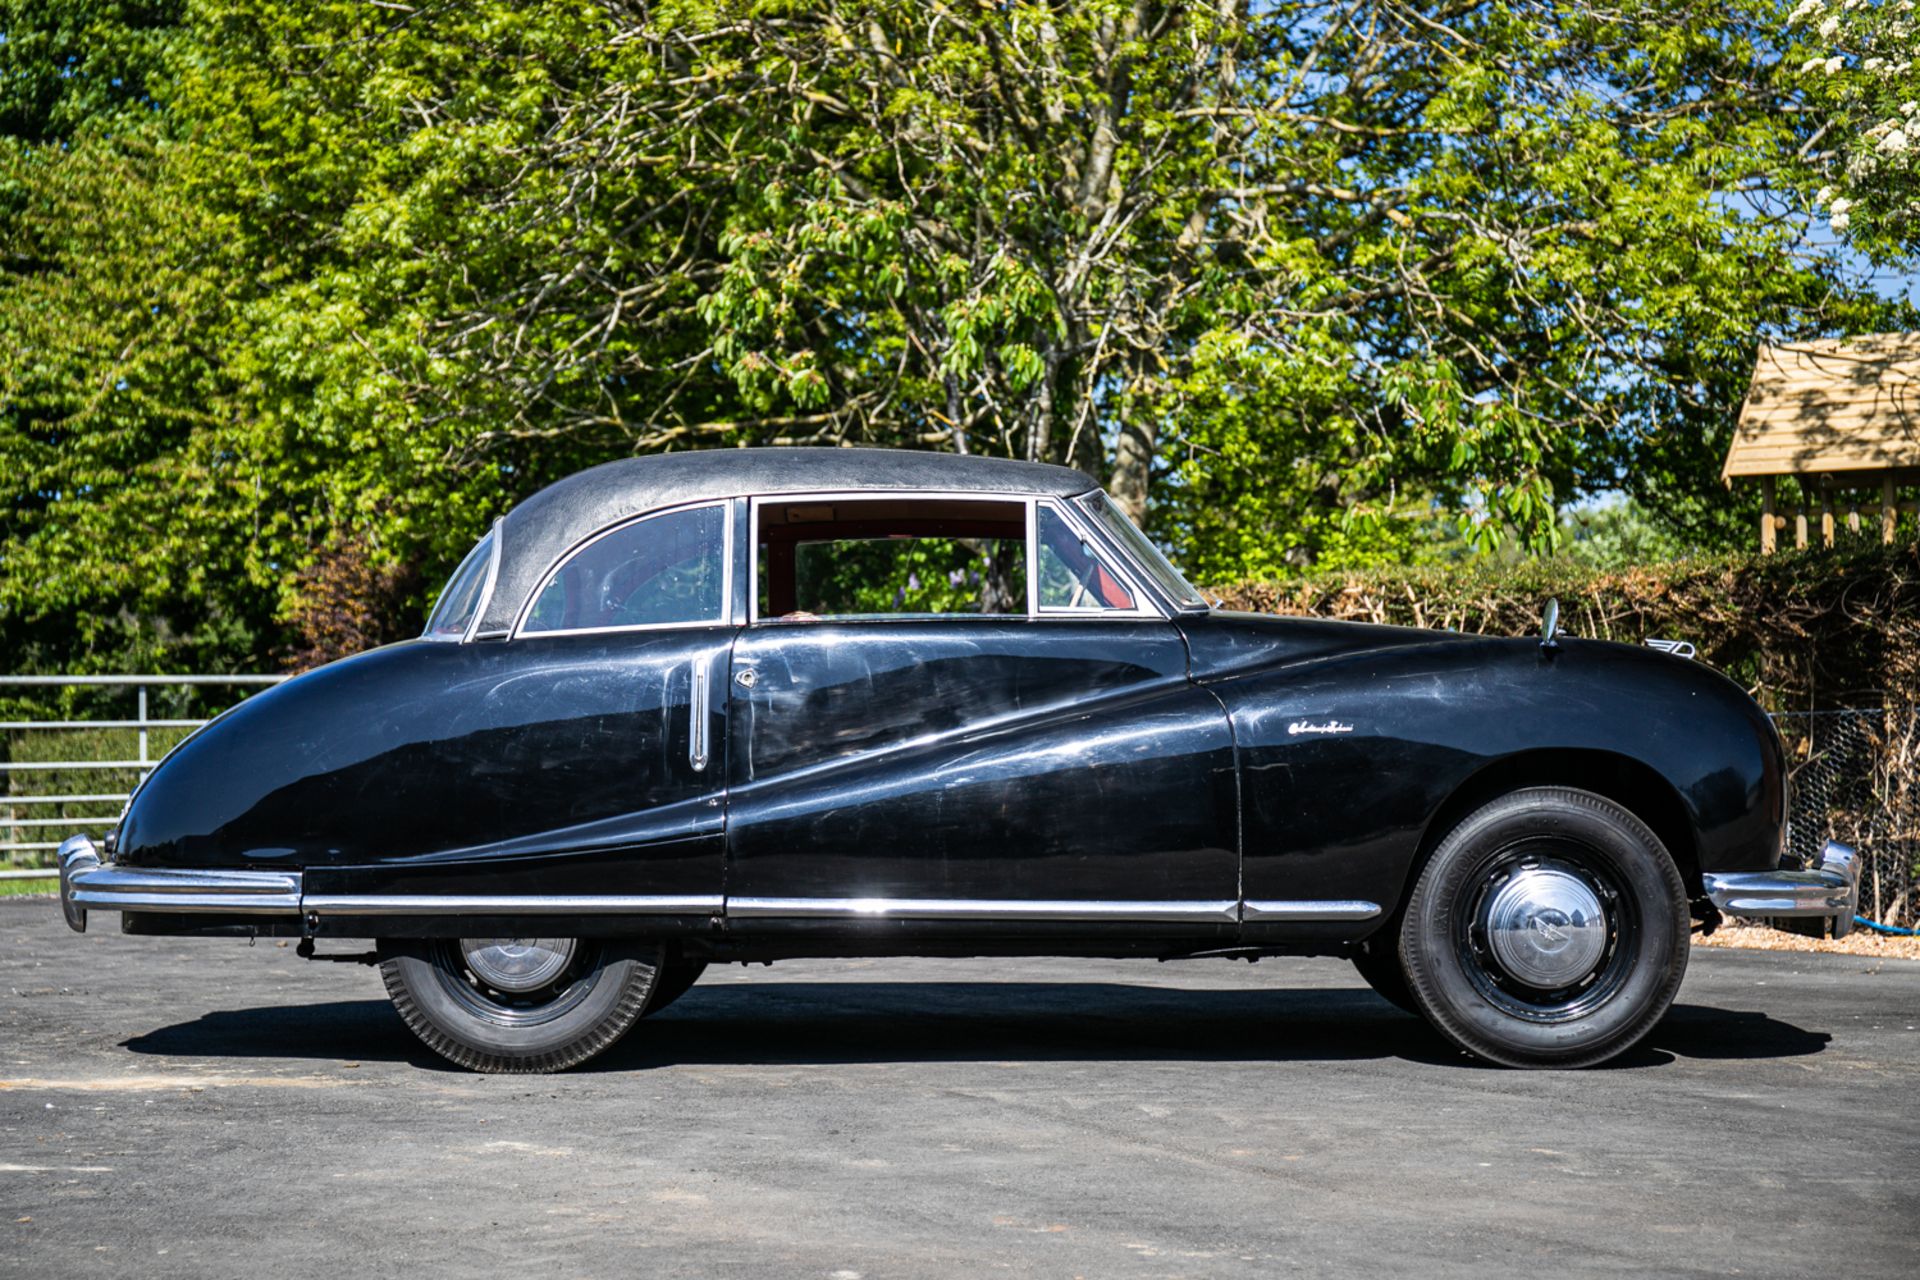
x=1834, y=64
x=1894, y=143
x=1908, y=107
x=1828, y=26
x=1821, y=196
x=1839, y=221
x=1874, y=64
x=1841, y=206
x=1806, y=9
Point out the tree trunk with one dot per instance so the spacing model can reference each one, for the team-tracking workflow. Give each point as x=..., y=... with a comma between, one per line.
x=1132, y=468
x=955, y=415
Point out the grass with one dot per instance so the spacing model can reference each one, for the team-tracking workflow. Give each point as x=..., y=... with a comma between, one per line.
x=29, y=888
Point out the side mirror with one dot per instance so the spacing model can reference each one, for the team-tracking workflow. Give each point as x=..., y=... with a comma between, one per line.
x=1550, y=626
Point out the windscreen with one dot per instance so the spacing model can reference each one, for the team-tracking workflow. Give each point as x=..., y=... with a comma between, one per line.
x=460, y=599
x=1141, y=548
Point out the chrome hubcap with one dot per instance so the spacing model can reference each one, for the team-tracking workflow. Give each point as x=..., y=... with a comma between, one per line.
x=517, y=964
x=1546, y=928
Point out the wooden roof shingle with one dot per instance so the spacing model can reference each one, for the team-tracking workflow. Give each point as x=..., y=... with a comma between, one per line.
x=1829, y=405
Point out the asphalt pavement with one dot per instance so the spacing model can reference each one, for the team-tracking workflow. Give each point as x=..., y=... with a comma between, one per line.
x=182, y=1107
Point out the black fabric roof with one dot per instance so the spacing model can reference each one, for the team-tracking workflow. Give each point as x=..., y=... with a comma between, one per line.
x=535, y=533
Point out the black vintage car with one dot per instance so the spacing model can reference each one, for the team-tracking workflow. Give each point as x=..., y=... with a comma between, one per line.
x=751, y=705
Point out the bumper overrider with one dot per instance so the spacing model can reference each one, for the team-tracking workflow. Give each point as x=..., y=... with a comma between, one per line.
x=86, y=882
x=1831, y=889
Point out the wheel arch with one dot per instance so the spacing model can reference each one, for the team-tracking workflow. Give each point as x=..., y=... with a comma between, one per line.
x=1632, y=784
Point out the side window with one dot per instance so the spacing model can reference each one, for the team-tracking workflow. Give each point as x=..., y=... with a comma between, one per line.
x=891, y=558
x=656, y=571
x=1072, y=576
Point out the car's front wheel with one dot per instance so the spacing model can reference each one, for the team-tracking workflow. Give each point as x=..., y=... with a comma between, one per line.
x=503, y=1005
x=1548, y=929
x=1378, y=960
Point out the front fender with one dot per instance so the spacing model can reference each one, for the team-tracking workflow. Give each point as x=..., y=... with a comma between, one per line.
x=1351, y=759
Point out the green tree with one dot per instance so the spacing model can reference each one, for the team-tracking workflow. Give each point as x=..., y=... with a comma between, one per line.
x=65, y=65
x=1862, y=90
x=115, y=541
x=1302, y=283
x=1324, y=272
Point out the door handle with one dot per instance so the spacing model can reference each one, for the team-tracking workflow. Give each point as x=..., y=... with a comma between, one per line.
x=697, y=709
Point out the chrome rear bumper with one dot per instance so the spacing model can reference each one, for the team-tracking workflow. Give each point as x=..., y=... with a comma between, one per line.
x=86, y=882
x=1832, y=890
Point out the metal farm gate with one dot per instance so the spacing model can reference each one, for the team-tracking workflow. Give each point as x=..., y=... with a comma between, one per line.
x=62, y=776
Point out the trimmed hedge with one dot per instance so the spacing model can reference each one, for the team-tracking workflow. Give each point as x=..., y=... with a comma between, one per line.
x=1802, y=630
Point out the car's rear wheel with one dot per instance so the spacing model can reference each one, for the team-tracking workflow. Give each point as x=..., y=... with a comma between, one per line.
x=1548, y=929
x=676, y=978
x=503, y=1005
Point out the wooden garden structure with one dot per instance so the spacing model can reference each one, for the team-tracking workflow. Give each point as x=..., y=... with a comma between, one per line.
x=1840, y=416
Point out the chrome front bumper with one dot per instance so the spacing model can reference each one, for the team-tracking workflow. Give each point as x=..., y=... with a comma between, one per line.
x=87, y=882
x=1832, y=890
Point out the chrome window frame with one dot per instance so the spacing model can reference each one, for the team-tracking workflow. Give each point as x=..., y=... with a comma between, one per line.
x=1148, y=605
x=1174, y=607
x=1120, y=566
x=493, y=577
x=725, y=619
x=480, y=602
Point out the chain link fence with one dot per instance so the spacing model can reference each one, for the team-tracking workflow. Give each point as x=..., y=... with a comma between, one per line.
x=1853, y=779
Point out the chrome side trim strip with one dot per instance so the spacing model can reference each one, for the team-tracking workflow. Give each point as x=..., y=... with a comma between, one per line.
x=1224, y=911
x=439, y=904
x=1308, y=909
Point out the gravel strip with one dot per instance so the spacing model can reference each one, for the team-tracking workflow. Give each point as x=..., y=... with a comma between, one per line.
x=1861, y=942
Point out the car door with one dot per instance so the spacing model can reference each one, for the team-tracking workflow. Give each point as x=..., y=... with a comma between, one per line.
x=583, y=757
x=1048, y=763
